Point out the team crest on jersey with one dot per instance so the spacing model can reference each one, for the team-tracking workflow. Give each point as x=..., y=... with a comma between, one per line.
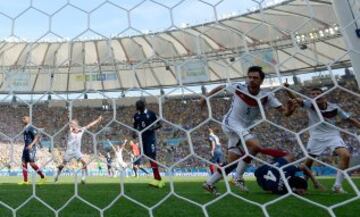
x=249, y=100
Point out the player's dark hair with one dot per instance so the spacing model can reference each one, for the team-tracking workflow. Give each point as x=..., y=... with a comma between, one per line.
x=317, y=89
x=257, y=69
x=297, y=183
x=140, y=105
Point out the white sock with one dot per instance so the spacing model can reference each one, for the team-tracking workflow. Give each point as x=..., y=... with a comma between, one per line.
x=83, y=174
x=214, y=178
x=339, y=178
x=240, y=169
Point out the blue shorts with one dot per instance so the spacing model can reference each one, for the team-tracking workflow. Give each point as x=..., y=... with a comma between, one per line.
x=150, y=148
x=217, y=158
x=137, y=160
x=28, y=156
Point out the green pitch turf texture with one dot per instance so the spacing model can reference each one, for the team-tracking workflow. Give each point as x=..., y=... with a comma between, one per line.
x=101, y=191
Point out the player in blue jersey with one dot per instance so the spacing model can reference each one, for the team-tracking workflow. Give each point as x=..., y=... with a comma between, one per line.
x=269, y=178
x=31, y=138
x=145, y=122
x=216, y=151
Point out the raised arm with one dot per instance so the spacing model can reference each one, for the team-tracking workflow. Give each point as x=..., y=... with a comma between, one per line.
x=354, y=122
x=98, y=120
x=124, y=143
x=212, y=92
x=112, y=146
x=291, y=95
x=289, y=109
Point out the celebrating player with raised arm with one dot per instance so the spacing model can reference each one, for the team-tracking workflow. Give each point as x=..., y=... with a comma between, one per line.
x=243, y=113
x=31, y=137
x=120, y=163
x=73, y=149
x=325, y=135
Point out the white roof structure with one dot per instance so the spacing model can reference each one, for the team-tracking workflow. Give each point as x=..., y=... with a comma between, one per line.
x=294, y=36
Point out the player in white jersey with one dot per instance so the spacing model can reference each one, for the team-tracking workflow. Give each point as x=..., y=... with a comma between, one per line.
x=120, y=163
x=243, y=113
x=73, y=149
x=325, y=136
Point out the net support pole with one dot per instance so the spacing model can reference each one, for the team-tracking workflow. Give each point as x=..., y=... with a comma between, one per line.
x=346, y=16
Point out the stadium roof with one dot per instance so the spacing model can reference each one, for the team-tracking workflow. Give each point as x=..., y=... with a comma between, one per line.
x=293, y=35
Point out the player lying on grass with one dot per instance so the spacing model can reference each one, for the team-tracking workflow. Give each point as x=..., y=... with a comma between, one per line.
x=324, y=135
x=269, y=178
x=73, y=149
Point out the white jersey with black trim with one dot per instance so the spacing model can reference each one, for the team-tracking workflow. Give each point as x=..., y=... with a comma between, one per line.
x=330, y=114
x=244, y=108
x=74, y=141
x=214, y=138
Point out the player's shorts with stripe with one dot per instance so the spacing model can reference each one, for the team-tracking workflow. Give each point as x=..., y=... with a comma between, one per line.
x=234, y=130
x=108, y=163
x=121, y=164
x=316, y=146
x=150, y=148
x=69, y=155
x=28, y=155
x=137, y=160
x=218, y=157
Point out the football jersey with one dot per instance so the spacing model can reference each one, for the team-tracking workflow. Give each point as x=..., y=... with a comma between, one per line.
x=214, y=138
x=244, y=108
x=74, y=140
x=144, y=120
x=329, y=114
x=135, y=149
x=119, y=154
x=270, y=179
x=29, y=135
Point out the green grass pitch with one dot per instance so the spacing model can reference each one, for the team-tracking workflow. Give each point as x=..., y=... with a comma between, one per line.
x=102, y=191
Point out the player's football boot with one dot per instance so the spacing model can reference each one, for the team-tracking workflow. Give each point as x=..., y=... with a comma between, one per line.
x=210, y=188
x=42, y=181
x=154, y=183
x=240, y=184
x=161, y=184
x=338, y=190
x=24, y=183
x=157, y=183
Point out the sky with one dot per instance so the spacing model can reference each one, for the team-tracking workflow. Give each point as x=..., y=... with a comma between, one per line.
x=69, y=19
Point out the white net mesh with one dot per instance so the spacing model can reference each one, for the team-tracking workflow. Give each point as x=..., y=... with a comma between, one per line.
x=79, y=60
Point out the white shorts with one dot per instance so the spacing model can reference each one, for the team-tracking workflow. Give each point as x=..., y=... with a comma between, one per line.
x=234, y=130
x=121, y=164
x=69, y=155
x=317, y=146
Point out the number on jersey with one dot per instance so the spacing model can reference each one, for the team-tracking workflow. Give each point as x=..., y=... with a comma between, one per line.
x=270, y=176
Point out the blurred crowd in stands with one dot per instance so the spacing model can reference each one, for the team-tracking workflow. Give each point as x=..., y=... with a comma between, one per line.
x=179, y=114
